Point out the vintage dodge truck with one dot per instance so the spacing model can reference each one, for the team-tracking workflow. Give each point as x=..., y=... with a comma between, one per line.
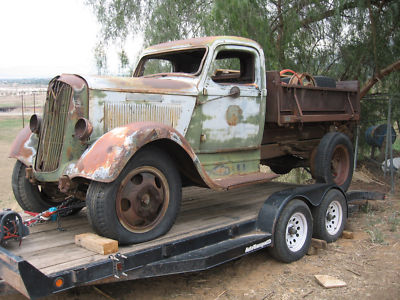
x=201, y=112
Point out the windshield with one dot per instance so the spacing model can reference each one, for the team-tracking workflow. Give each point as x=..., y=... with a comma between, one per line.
x=183, y=62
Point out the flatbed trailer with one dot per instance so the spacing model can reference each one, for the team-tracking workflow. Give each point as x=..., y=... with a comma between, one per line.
x=212, y=228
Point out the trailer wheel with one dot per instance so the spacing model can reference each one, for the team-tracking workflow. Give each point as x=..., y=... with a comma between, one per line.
x=33, y=199
x=293, y=231
x=141, y=204
x=330, y=216
x=333, y=162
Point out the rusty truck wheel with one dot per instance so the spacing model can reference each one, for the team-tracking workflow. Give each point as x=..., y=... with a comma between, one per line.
x=141, y=204
x=333, y=161
x=33, y=197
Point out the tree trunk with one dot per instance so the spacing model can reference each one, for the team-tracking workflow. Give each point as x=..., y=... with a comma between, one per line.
x=378, y=76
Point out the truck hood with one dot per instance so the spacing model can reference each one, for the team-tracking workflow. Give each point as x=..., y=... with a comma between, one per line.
x=162, y=85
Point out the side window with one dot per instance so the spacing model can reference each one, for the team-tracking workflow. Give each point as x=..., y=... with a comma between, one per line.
x=233, y=66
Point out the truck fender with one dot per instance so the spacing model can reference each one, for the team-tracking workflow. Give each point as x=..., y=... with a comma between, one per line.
x=24, y=146
x=105, y=159
x=272, y=208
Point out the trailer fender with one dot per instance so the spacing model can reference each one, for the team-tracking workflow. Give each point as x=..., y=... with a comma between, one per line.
x=272, y=208
x=105, y=159
x=24, y=146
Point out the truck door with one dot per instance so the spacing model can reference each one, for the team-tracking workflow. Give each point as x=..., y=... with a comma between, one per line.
x=231, y=106
x=232, y=110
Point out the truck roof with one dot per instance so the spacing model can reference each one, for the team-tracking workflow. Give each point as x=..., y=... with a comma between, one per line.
x=200, y=42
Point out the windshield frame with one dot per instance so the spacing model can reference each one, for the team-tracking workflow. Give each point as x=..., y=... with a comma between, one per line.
x=140, y=66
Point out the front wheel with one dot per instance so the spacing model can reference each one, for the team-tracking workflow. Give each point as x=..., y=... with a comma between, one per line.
x=330, y=216
x=293, y=231
x=141, y=204
x=36, y=198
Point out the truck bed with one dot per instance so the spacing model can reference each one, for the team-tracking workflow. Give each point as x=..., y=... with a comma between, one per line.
x=52, y=251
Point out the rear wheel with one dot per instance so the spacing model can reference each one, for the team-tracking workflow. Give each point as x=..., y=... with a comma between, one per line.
x=35, y=198
x=141, y=204
x=293, y=231
x=333, y=162
x=330, y=216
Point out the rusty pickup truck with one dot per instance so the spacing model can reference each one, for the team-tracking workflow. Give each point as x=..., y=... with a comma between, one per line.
x=198, y=112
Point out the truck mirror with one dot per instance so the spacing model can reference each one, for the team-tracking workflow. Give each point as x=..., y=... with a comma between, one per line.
x=234, y=92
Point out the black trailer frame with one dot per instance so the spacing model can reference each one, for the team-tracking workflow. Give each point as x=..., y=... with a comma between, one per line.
x=188, y=254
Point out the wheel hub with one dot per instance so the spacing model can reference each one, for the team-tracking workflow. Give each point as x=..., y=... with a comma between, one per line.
x=296, y=232
x=333, y=218
x=142, y=199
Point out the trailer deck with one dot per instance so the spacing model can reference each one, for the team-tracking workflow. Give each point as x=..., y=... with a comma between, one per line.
x=205, y=215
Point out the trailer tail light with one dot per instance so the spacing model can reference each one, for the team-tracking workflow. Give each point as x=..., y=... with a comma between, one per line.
x=59, y=282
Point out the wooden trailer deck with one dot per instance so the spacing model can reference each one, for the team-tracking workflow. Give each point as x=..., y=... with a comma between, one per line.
x=51, y=251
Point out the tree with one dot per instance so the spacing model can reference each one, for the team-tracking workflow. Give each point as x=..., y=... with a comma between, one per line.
x=346, y=39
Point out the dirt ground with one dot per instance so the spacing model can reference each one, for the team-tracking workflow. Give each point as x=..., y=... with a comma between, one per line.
x=369, y=263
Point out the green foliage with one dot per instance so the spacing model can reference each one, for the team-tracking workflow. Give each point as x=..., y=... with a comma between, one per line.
x=346, y=39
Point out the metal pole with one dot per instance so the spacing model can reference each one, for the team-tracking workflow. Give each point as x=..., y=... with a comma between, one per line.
x=356, y=148
x=391, y=148
x=34, y=103
x=23, y=119
x=388, y=129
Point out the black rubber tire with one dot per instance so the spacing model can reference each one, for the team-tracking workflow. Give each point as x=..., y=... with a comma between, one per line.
x=28, y=196
x=323, y=159
x=280, y=249
x=101, y=199
x=324, y=81
x=280, y=169
x=320, y=216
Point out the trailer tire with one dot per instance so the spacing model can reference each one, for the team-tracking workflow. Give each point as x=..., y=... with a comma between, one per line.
x=141, y=204
x=333, y=161
x=330, y=216
x=293, y=232
x=28, y=195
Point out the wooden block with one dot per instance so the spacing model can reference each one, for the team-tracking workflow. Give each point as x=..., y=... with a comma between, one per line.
x=96, y=243
x=312, y=251
x=329, y=282
x=319, y=244
x=348, y=235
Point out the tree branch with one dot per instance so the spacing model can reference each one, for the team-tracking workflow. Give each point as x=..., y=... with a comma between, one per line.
x=378, y=76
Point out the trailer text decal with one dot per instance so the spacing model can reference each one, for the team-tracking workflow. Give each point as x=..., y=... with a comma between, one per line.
x=257, y=246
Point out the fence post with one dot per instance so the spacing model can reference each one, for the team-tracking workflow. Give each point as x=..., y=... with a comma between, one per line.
x=22, y=102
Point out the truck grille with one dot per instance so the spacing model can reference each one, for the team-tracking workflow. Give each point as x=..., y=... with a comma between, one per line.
x=53, y=126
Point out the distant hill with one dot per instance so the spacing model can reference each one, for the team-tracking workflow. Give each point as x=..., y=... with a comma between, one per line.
x=33, y=81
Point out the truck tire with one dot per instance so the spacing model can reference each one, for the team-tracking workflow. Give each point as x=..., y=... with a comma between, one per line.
x=30, y=198
x=141, y=204
x=330, y=216
x=333, y=161
x=293, y=232
x=280, y=169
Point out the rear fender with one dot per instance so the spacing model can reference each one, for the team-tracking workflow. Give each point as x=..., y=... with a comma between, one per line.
x=272, y=208
x=105, y=159
x=24, y=146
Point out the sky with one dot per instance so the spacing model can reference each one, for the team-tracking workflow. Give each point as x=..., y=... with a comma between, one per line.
x=44, y=38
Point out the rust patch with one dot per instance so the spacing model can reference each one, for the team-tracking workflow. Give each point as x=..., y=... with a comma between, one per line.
x=234, y=115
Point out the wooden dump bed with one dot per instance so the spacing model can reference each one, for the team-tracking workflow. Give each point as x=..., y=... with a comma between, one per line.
x=202, y=210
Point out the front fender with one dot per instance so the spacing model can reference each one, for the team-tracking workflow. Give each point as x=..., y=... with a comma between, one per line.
x=24, y=146
x=105, y=159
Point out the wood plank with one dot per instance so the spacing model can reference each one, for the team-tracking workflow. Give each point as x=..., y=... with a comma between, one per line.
x=96, y=243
